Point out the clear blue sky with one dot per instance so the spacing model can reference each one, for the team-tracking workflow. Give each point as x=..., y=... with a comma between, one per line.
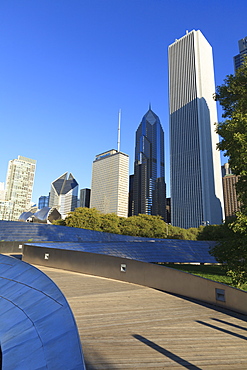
x=68, y=66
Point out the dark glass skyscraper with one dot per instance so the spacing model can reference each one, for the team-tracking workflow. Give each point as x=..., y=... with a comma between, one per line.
x=43, y=201
x=238, y=59
x=149, y=189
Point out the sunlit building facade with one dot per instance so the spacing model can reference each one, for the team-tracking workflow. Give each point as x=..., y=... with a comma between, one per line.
x=196, y=182
x=231, y=202
x=2, y=191
x=110, y=183
x=19, y=188
x=64, y=194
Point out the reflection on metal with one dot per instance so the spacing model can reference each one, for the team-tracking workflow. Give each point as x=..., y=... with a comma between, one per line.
x=37, y=330
x=172, y=251
x=43, y=215
x=141, y=249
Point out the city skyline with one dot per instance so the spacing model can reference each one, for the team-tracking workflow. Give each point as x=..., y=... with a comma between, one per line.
x=67, y=70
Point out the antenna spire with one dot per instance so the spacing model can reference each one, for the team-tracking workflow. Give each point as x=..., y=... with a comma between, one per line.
x=118, y=140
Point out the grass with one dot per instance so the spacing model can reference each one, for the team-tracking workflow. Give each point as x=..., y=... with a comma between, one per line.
x=212, y=272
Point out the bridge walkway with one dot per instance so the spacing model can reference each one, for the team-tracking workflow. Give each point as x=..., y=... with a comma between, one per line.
x=126, y=326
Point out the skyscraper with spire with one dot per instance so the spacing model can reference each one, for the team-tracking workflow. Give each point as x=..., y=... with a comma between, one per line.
x=196, y=185
x=149, y=189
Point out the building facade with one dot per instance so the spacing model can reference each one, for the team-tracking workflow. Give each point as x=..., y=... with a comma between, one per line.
x=238, y=59
x=231, y=203
x=196, y=183
x=43, y=201
x=85, y=197
x=64, y=194
x=149, y=189
x=19, y=188
x=2, y=191
x=131, y=196
x=110, y=181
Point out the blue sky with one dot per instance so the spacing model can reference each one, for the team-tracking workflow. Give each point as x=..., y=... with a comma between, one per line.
x=68, y=66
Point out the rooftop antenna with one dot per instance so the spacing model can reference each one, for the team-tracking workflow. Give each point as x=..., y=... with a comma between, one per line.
x=118, y=139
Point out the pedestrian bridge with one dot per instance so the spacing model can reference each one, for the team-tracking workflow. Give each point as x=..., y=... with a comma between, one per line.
x=131, y=313
x=128, y=326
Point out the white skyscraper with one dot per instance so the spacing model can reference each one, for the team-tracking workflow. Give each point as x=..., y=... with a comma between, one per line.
x=196, y=184
x=19, y=188
x=110, y=183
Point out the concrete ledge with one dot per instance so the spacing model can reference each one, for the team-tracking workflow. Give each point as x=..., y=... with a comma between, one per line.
x=11, y=247
x=142, y=273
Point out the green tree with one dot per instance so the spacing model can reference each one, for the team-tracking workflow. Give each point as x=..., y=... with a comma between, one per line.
x=110, y=223
x=60, y=222
x=176, y=232
x=85, y=218
x=144, y=225
x=192, y=233
x=215, y=232
x=232, y=96
x=232, y=251
x=141, y=225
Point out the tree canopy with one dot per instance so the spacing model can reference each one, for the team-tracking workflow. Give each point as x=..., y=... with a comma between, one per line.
x=140, y=225
x=232, y=250
x=232, y=96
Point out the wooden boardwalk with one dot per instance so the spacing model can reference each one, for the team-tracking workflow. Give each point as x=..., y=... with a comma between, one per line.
x=126, y=326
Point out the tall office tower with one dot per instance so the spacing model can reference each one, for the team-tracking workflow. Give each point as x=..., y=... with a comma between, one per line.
x=238, y=59
x=196, y=182
x=149, y=189
x=19, y=186
x=85, y=197
x=64, y=194
x=110, y=181
x=232, y=205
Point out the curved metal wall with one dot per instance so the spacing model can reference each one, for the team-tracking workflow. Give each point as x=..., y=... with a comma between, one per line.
x=37, y=327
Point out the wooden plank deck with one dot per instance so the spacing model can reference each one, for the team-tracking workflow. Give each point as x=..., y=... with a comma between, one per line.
x=126, y=326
